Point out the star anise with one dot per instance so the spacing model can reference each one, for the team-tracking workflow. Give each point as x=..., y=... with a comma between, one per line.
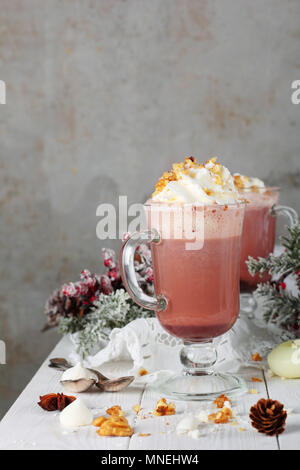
x=268, y=417
x=55, y=401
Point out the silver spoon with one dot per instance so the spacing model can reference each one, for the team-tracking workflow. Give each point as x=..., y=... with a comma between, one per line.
x=82, y=385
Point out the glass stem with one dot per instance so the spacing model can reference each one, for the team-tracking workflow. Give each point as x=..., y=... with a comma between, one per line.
x=198, y=358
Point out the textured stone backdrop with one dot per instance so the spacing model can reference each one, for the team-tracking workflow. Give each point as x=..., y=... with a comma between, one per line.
x=102, y=96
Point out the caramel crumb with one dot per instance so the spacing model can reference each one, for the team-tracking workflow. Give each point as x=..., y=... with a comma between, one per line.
x=163, y=408
x=256, y=357
x=256, y=379
x=99, y=421
x=253, y=391
x=241, y=429
x=221, y=417
x=115, y=411
x=136, y=408
x=234, y=423
x=145, y=434
x=115, y=426
x=143, y=372
x=220, y=400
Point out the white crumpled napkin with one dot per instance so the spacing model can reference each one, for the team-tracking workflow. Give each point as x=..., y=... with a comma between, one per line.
x=144, y=344
x=140, y=344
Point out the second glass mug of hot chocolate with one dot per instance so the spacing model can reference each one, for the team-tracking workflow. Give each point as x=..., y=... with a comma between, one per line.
x=196, y=263
x=258, y=236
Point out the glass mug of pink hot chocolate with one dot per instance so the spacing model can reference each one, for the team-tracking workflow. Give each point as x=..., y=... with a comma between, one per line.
x=194, y=227
x=259, y=230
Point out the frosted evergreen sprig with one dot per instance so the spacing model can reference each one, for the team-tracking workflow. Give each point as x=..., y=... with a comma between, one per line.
x=280, y=306
x=287, y=262
x=110, y=311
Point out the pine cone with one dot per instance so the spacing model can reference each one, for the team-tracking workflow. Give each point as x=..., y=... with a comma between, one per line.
x=59, y=305
x=268, y=416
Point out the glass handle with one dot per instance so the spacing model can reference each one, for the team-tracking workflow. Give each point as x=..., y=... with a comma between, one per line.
x=129, y=278
x=288, y=212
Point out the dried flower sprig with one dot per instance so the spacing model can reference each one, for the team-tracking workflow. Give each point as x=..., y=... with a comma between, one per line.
x=76, y=299
x=96, y=304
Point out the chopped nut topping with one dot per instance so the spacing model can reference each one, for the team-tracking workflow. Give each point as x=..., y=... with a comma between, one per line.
x=238, y=181
x=256, y=379
x=143, y=372
x=175, y=173
x=163, y=408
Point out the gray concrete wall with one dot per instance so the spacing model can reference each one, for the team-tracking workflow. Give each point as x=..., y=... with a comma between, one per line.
x=102, y=96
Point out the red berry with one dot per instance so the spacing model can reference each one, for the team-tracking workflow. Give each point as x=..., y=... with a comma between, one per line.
x=113, y=274
x=282, y=285
x=298, y=272
x=106, y=286
x=107, y=262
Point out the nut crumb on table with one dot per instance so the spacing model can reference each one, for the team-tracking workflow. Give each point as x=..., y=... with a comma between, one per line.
x=256, y=357
x=163, y=408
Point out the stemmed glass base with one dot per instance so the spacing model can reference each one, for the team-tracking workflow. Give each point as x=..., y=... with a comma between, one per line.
x=198, y=381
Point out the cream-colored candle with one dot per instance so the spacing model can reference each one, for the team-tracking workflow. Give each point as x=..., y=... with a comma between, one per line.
x=284, y=360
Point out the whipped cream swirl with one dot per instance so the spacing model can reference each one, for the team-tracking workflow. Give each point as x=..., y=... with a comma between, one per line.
x=247, y=182
x=191, y=182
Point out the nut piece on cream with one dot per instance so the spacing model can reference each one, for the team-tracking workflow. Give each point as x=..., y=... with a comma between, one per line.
x=192, y=182
x=246, y=182
x=76, y=414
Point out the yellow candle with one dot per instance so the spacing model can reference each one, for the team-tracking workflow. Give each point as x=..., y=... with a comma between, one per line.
x=284, y=360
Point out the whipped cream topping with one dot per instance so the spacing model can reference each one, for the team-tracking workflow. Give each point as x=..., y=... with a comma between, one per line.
x=191, y=182
x=247, y=182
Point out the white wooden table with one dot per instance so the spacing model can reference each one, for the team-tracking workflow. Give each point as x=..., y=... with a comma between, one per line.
x=27, y=426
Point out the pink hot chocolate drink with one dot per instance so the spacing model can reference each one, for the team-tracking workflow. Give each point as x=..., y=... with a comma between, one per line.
x=197, y=270
x=259, y=230
x=203, y=291
x=194, y=221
